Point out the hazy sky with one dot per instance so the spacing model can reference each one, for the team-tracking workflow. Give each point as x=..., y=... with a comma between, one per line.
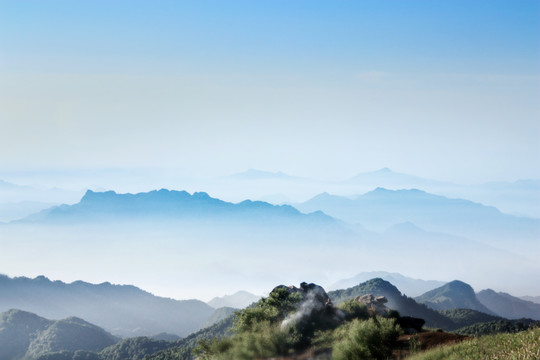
x=447, y=90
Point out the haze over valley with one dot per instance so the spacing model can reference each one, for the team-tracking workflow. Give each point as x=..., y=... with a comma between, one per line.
x=238, y=180
x=161, y=238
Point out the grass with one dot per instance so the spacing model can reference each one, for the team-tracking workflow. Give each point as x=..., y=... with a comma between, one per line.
x=520, y=346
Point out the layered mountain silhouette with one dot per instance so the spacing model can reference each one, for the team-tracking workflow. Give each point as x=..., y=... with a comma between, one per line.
x=385, y=177
x=120, y=309
x=453, y=295
x=509, y=306
x=409, y=286
x=459, y=295
x=25, y=335
x=238, y=300
x=381, y=208
x=173, y=205
x=534, y=299
x=396, y=300
x=18, y=201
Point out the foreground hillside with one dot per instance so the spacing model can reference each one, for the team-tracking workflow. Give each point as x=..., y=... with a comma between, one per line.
x=307, y=323
x=523, y=346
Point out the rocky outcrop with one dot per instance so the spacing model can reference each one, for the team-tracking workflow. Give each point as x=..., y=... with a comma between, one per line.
x=313, y=291
x=374, y=303
x=313, y=306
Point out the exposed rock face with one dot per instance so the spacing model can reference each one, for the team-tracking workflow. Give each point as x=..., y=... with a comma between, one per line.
x=313, y=307
x=314, y=291
x=376, y=304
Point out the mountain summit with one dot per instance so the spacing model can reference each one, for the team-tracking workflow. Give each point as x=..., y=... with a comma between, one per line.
x=453, y=295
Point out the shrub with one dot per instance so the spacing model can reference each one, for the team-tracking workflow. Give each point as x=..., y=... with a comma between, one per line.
x=373, y=338
x=354, y=310
x=264, y=340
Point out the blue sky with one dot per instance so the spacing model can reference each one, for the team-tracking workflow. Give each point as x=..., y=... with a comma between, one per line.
x=446, y=90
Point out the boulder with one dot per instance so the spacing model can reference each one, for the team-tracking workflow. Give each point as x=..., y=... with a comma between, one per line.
x=376, y=304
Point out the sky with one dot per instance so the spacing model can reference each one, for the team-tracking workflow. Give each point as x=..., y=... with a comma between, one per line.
x=445, y=90
x=324, y=89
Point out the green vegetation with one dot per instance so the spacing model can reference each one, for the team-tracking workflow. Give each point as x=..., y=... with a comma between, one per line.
x=466, y=317
x=405, y=305
x=498, y=327
x=520, y=346
x=354, y=310
x=26, y=335
x=290, y=322
x=134, y=349
x=369, y=339
x=258, y=331
x=69, y=355
x=183, y=349
x=453, y=295
x=218, y=315
x=70, y=334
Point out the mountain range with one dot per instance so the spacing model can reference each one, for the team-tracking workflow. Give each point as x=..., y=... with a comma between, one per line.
x=170, y=204
x=382, y=208
x=459, y=295
x=453, y=295
x=191, y=226
x=25, y=335
x=409, y=286
x=18, y=201
x=509, y=306
x=385, y=177
x=120, y=309
x=521, y=197
x=238, y=300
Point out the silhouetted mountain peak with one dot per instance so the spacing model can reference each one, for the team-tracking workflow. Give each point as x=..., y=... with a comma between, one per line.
x=509, y=306
x=238, y=300
x=168, y=204
x=453, y=295
x=30, y=320
x=460, y=286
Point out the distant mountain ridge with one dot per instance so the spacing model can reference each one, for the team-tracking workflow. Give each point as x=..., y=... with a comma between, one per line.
x=238, y=300
x=120, y=309
x=171, y=204
x=405, y=305
x=382, y=208
x=453, y=295
x=534, y=299
x=386, y=177
x=18, y=201
x=409, y=286
x=509, y=306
